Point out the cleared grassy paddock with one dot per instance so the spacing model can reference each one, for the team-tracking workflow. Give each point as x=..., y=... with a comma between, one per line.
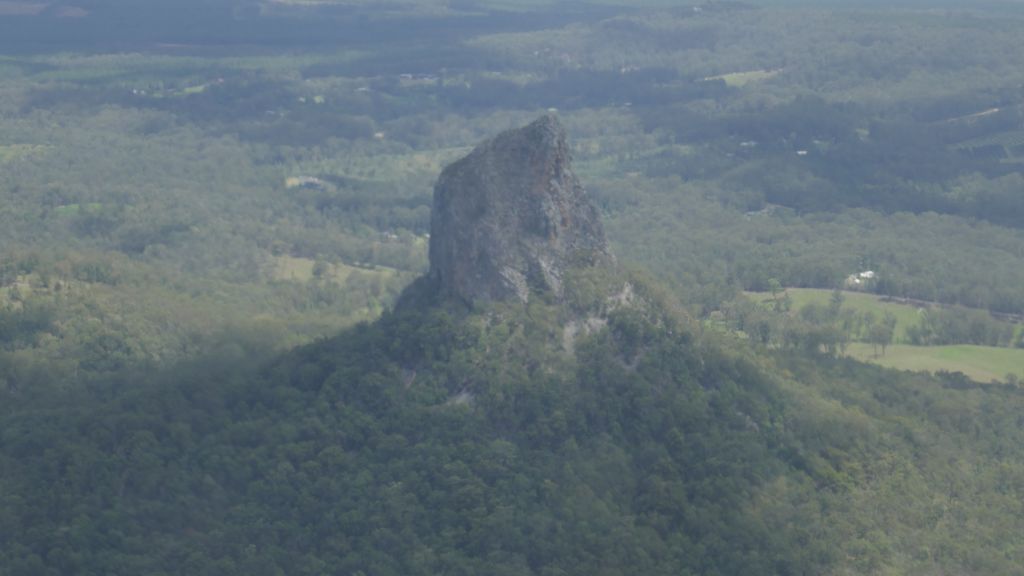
x=296, y=269
x=980, y=363
x=906, y=315
x=739, y=79
x=16, y=151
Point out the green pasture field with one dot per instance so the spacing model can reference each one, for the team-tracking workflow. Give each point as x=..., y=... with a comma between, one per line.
x=296, y=269
x=980, y=363
x=527, y=5
x=11, y=152
x=906, y=315
x=739, y=79
x=383, y=167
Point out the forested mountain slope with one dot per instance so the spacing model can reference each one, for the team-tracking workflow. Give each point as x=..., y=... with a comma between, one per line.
x=436, y=441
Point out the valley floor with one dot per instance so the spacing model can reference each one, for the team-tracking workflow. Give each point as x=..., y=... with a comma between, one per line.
x=979, y=363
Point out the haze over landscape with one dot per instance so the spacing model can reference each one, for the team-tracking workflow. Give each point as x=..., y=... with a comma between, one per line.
x=492, y=287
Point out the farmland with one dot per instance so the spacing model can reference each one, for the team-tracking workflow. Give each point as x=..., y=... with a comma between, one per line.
x=979, y=363
x=740, y=79
x=860, y=302
x=12, y=152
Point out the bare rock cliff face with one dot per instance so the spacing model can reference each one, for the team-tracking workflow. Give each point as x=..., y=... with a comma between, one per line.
x=510, y=217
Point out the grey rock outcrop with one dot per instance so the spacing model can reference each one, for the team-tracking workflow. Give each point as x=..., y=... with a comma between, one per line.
x=510, y=217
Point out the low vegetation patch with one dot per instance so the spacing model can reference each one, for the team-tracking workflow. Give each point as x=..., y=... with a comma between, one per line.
x=11, y=152
x=979, y=363
x=297, y=269
x=740, y=79
x=906, y=315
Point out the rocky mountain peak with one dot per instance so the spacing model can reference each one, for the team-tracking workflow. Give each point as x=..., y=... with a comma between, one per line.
x=510, y=217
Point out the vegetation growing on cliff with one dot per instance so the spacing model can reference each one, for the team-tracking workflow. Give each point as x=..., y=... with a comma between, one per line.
x=439, y=440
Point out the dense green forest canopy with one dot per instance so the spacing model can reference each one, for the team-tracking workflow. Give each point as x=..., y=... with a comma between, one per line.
x=439, y=440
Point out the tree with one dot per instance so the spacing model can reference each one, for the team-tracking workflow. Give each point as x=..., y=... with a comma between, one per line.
x=880, y=334
x=320, y=268
x=835, y=303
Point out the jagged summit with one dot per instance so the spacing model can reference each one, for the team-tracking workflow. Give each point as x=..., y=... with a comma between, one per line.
x=510, y=217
